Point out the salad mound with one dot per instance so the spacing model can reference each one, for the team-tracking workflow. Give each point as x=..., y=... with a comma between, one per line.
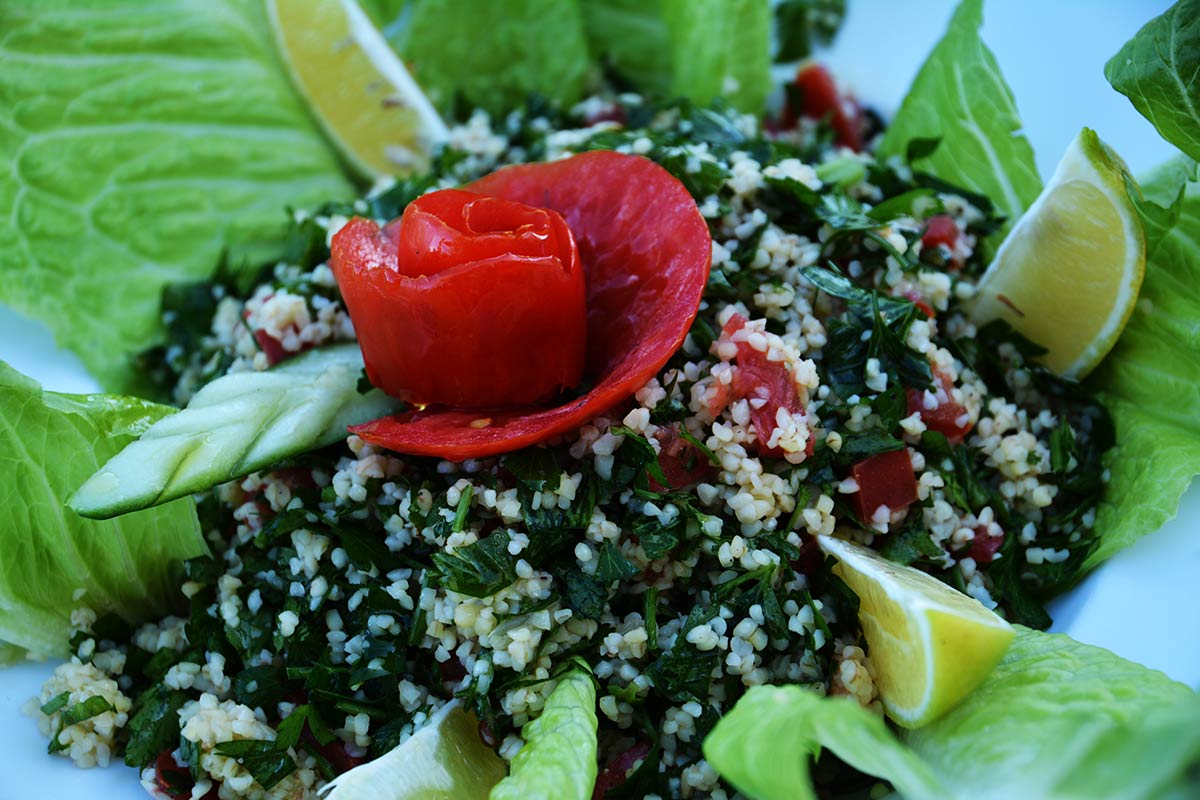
x=781, y=522
x=669, y=544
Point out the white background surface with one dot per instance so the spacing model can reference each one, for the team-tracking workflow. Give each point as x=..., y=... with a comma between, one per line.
x=1142, y=604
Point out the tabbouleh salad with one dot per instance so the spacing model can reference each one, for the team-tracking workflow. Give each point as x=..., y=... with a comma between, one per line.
x=368, y=589
x=832, y=382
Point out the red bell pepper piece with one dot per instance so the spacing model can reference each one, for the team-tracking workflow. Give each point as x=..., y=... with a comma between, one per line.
x=948, y=418
x=886, y=479
x=646, y=252
x=467, y=301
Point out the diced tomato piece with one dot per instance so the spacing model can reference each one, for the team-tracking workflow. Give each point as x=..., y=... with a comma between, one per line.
x=272, y=348
x=682, y=463
x=919, y=301
x=758, y=378
x=646, y=251
x=811, y=558
x=886, y=479
x=175, y=781
x=948, y=418
x=617, y=771
x=821, y=100
x=985, y=546
x=940, y=230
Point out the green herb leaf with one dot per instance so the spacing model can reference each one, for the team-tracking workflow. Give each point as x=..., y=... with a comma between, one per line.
x=262, y=758
x=612, y=566
x=584, y=594
x=641, y=453
x=154, y=726
x=800, y=24
x=960, y=98
x=75, y=714
x=480, y=568
x=1157, y=70
x=684, y=672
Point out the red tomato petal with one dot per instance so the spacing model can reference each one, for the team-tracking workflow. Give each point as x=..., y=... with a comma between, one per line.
x=504, y=329
x=646, y=251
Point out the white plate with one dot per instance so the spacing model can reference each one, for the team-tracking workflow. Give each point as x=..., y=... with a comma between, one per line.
x=1053, y=55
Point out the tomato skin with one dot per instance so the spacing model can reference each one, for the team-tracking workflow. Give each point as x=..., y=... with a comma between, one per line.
x=757, y=377
x=616, y=772
x=820, y=99
x=646, y=251
x=466, y=301
x=885, y=479
x=945, y=417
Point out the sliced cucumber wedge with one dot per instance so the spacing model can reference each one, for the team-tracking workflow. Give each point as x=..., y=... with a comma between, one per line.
x=233, y=426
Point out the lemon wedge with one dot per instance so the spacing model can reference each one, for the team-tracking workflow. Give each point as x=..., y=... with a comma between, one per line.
x=445, y=760
x=930, y=644
x=356, y=86
x=1068, y=275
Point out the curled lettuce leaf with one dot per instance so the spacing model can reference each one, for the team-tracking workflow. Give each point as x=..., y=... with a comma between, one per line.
x=494, y=55
x=54, y=560
x=1158, y=71
x=142, y=143
x=1151, y=380
x=960, y=98
x=558, y=760
x=1056, y=719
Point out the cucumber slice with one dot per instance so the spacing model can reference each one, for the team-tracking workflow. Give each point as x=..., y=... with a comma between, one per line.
x=235, y=425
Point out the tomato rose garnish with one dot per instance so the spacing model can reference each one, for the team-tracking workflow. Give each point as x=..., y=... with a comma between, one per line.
x=645, y=251
x=466, y=301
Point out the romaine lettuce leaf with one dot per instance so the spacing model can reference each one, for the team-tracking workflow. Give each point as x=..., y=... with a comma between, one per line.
x=631, y=36
x=960, y=98
x=1159, y=71
x=495, y=54
x=49, y=444
x=558, y=760
x=143, y=141
x=1151, y=381
x=721, y=48
x=1056, y=719
x=699, y=49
